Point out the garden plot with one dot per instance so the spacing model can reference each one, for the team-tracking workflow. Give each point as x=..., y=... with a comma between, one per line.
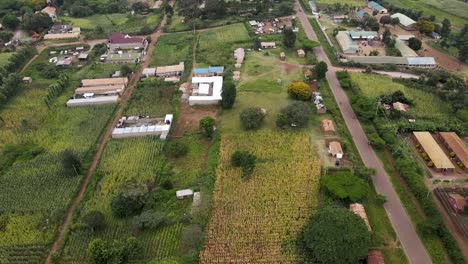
x=425, y=106
x=348, y=2
x=216, y=46
x=260, y=218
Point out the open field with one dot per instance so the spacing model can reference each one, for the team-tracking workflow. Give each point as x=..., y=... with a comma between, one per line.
x=454, y=10
x=424, y=103
x=349, y=2
x=4, y=56
x=108, y=23
x=216, y=46
x=172, y=49
x=274, y=204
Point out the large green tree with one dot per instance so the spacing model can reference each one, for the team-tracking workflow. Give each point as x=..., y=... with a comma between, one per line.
x=346, y=186
x=320, y=70
x=228, y=95
x=10, y=21
x=446, y=28
x=414, y=43
x=289, y=38
x=336, y=235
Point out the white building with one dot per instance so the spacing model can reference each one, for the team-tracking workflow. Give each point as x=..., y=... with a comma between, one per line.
x=134, y=126
x=87, y=101
x=206, y=91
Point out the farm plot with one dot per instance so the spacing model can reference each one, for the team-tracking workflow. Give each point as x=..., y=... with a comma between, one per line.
x=348, y=2
x=258, y=220
x=152, y=91
x=426, y=105
x=454, y=10
x=35, y=190
x=102, y=25
x=216, y=46
x=172, y=49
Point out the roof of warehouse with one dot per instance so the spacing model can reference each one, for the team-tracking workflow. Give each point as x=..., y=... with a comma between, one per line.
x=376, y=5
x=457, y=145
x=433, y=150
x=421, y=61
x=404, y=49
x=404, y=20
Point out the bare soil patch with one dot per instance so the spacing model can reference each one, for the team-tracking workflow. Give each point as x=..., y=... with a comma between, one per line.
x=189, y=118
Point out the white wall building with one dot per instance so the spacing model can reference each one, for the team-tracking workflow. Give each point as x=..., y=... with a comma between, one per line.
x=208, y=91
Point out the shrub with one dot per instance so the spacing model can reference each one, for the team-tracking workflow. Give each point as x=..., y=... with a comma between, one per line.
x=149, y=220
x=430, y=164
x=102, y=251
x=167, y=185
x=177, y=149
x=245, y=160
x=228, y=95
x=251, y=118
x=336, y=235
x=320, y=70
x=381, y=199
x=71, y=163
x=129, y=201
x=414, y=43
x=452, y=154
x=346, y=186
x=95, y=220
x=206, y=126
x=191, y=238
x=296, y=114
x=299, y=91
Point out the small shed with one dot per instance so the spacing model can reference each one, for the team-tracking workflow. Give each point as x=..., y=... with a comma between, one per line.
x=301, y=53
x=457, y=202
x=375, y=257
x=27, y=79
x=83, y=56
x=236, y=75
x=335, y=150
x=400, y=106
x=282, y=56
x=186, y=193
x=327, y=127
x=308, y=74
x=268, y=45
x=435, y=35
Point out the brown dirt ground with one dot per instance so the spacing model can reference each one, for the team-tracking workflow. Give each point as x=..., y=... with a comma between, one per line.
x=288, y=68
x=189, y=118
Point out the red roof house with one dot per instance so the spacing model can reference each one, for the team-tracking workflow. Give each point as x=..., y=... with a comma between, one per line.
x=124, y=41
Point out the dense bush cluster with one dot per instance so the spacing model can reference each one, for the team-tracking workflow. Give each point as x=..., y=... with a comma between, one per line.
x=251, y=118
x=299, y=91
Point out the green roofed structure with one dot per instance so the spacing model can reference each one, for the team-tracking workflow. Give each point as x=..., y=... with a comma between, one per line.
x=405, y=22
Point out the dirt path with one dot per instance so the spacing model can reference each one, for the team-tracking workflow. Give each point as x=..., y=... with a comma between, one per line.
x=41, y=48
x=410, y=241
x=62, y=231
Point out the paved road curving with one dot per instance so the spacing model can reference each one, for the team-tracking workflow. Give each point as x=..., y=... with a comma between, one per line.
x=410, y=241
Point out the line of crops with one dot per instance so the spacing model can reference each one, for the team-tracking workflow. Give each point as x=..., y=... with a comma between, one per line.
x=258, y=220
x=30, y=254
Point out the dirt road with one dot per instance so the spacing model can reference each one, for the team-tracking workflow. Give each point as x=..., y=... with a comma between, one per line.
x=62, y=231
x=410, y=241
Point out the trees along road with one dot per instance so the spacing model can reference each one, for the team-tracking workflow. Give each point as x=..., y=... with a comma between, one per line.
x=410, y=241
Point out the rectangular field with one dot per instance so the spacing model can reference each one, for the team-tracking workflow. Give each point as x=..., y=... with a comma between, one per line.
x=426, y=105
x=172, y=49
x=258, y=220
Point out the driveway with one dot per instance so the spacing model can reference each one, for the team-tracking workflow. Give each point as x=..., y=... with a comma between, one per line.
x=410, y=241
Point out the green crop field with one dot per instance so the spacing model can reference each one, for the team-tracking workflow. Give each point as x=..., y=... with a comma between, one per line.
x=4, y=56
x=110, y=23
x=426, y=105
x=172, y=49
x=456, y=11
x=216, y=46
x=35, y=192
x=349, y=2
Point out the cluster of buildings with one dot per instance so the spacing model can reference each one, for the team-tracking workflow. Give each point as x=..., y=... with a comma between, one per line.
x=98, y=92
x=66, y=57
x=443, y=160
x=272, y=26
x=123, y=48
x=140, y=126
x=353, y=42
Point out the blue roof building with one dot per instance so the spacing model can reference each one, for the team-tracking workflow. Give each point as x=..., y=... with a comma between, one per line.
x=210, y=71
x=377, y=7
x=360, y=14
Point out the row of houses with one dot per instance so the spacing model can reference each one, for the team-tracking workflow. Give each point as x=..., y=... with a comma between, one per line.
x=170, y=73
x=62, y=32
x=410, y=62
x=98, y=92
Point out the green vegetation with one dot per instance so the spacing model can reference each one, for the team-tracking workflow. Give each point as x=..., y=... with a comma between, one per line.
x=4, y=57
x=299, y=91
x=331, y=53
x=102, y=25
x=336, y=235
x=251, y=118
x=215, y=46
x=346, y=186
x=358, y=3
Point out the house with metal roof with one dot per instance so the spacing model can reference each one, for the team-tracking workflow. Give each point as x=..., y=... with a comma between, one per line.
x=377, y=7
x=453, y=143
x=346, y=43
x=404, y=49
x=135, y=126
x=87, y=101
x=360, y=14
x=313, y=7
x=364, y=35
x=209, y=72
x=405, y=37
x=421, y=62
x=405, y=22
x=379, y=60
